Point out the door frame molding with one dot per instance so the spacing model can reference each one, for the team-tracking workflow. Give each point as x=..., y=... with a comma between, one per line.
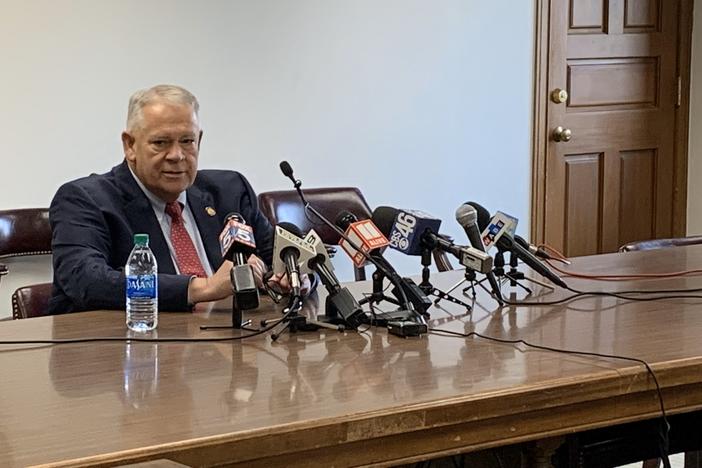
x=540, y=118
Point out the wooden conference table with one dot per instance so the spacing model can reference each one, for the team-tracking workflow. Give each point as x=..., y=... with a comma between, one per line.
x=326, y=398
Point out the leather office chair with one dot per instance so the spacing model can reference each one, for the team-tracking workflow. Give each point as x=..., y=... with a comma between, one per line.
x=24, y=232
x=286, y=206
x=660, y=243
x=31, y=301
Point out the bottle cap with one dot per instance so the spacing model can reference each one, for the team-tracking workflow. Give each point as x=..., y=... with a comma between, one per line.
x=141, y=239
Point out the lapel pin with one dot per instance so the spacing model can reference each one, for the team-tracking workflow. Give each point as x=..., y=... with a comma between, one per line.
x=210, y=211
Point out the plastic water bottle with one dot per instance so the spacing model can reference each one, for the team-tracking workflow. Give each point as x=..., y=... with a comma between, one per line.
x=142, y=286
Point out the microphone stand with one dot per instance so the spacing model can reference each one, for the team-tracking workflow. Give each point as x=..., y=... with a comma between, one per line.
x=472, y=279
x=239, y=305
x=295, y=322
x=418, y=326
x=429, y=289
x=515, y=275
x=378, y=294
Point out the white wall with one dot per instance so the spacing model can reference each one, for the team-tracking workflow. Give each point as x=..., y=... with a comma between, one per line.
x=422, y=104
x=694, y=168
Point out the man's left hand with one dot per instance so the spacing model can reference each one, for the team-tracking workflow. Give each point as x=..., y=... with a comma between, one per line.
x=281, y=282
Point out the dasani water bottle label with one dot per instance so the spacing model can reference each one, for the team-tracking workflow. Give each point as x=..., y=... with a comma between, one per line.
x=141, y=286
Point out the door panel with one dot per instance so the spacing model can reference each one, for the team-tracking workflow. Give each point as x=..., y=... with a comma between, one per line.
x=584, y=195
x=612, y=183
x=637, y=195
x=632, y=83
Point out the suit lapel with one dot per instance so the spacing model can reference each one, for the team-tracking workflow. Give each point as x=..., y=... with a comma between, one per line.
x=208, y=223
x=142, y=219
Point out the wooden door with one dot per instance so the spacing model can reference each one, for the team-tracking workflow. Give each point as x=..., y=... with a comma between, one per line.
x=613, y=181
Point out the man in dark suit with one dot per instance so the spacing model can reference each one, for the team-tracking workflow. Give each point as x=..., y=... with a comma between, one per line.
x=157, y=190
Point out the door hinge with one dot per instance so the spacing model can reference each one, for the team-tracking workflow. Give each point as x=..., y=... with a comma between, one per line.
x=678, y=102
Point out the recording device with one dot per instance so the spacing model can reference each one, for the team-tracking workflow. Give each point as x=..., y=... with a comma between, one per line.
x=369, y=243
x=412, y=232
x=237, y=243
x=467, y=217
x=390, y=274
x=405, y=328
x=340, y=303
x=505, y=242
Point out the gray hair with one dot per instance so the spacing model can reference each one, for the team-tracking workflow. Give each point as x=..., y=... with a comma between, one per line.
x=169, y=93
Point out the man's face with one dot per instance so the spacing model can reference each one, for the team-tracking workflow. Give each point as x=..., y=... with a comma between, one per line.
x=162, y=151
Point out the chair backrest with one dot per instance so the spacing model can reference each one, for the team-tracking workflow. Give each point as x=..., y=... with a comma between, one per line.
x=23, y=232
x=31, y=301
x=660, y=243
x=285, y=205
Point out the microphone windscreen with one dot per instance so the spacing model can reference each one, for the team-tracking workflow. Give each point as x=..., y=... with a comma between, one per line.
x=291, y=228
x=344, y=219
x=466, y=215
x=286, y=169
x=384, y=218
x=483, y=215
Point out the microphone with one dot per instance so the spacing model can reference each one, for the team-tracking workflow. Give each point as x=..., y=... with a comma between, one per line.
x=291, y=254
x=535, y=250
x=405, y=228
x=237, y=242
x=412, y=232
x=504, y=241
x=363, y=233
x=390, y=274
x=315, y=242
x=340, y=301
x=467, y=217
x=236, y=239
x=373, y=243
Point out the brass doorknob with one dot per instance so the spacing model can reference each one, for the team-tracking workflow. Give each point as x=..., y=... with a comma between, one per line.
x=562, y=134
x=559, y=96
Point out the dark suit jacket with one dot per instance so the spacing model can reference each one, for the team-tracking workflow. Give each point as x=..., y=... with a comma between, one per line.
x=94, y=220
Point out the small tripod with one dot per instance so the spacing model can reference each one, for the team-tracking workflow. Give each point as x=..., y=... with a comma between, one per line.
x=378, y=294
x=294, y=322
x=472, y=280
x=514, y=275
x=429, y=288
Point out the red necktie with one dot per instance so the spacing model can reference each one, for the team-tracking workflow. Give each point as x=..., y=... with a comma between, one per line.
x=186, y=255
